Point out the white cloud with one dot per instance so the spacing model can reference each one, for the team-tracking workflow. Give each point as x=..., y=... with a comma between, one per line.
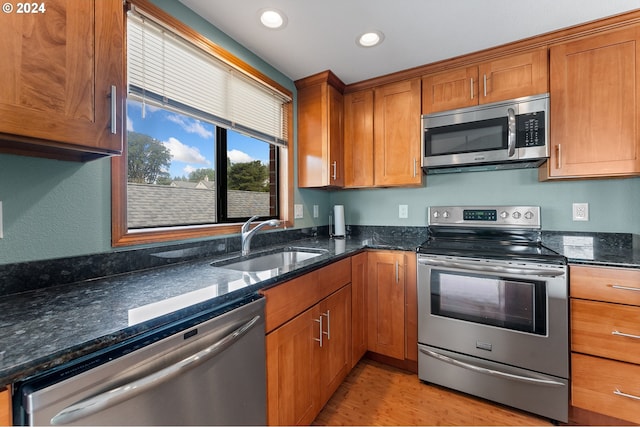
x=191, y=126
x=129, y=124
x=188, y=169
x=185, y=153
x=237, y=156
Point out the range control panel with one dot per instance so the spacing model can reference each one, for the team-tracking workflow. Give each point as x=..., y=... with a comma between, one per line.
x=486, y=216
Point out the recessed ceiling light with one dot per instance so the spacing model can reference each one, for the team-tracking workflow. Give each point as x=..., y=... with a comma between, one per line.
x=370, y=39
x=272, y=18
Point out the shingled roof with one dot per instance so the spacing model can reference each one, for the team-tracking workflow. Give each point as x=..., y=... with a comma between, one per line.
x=163, y=205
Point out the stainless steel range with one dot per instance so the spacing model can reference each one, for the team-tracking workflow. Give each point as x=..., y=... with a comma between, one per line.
x=493, y=308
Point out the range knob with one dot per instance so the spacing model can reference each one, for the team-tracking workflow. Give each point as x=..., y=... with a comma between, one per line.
x=528, y=214
x=516, y=215
x=436, y=214
x=445, y=214
x=504, y=214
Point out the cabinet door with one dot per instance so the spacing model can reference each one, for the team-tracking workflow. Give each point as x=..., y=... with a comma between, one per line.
x=55, y=91
x=386, y=303
x=320, y=128
x=293, y=370
x=514, y=76
x=397, y=134
x=449, y=90
x=335, y=354
x=358, y=139
x=5, y=408
x=595, y=90
x=359, y=281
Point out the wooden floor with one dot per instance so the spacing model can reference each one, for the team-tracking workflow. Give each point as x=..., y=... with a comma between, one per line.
x=377, y=394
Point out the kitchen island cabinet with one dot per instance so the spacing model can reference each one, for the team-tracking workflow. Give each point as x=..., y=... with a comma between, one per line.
x=308, y=325
x=62, y=94
x=5, y=407
x=320, y=129
x=502, y=78
x=595, y=96
x=605, y=341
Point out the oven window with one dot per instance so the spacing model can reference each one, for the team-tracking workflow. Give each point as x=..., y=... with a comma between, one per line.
x=484, y=135
x=496, y=301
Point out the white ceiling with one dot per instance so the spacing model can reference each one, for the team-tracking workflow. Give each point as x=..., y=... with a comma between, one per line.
x=321, y=34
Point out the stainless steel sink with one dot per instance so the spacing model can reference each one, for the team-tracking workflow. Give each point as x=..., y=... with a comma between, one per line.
x=281, y=259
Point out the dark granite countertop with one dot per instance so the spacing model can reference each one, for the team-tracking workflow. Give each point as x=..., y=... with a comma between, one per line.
x=47, y=324
x=44, y=328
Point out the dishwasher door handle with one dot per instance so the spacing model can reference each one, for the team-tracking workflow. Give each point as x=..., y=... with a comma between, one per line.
x=91, y=405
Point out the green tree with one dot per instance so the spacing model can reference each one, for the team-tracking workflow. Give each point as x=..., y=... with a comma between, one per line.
x=251, y=176
x=202, y=174
x=148, y=159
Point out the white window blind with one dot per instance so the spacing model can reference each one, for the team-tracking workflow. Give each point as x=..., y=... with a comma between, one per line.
x=165, y=68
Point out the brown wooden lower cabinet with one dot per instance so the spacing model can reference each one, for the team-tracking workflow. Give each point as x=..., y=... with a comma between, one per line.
x=606, y=386
x=359, y=275
x=5, y=407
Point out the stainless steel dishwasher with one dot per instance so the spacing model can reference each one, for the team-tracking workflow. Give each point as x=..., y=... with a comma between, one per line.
x=207, y=373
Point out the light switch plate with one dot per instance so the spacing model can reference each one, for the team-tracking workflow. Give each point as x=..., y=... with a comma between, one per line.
x=297, y=211
x=316, y=212
x=1, y=235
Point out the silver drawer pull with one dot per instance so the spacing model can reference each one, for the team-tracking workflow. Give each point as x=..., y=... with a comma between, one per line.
x=630, y=396
x=625, y=288
x=622, y=334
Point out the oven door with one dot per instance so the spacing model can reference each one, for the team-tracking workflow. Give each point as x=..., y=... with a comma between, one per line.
x=514, y=313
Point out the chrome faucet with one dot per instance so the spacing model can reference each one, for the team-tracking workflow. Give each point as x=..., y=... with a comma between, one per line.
x=247, y=234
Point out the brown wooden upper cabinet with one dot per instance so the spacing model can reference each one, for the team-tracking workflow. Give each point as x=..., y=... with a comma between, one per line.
x=62, y=86
x=594, y=96
x=503, y=78
x=382, y=136
x=320, y=128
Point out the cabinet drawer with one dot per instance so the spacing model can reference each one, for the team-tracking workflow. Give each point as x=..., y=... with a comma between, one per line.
x=596, y=381
x=5, y=407
x=606, y=284
x=593, y=325
x=287, y=300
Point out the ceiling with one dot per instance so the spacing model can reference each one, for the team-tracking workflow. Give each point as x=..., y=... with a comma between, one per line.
x=321, y=34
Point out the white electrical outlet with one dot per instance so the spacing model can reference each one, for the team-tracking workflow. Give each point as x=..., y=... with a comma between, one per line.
x=316, y=214
x=403, y=211
x=581, y=211
x=297, y=211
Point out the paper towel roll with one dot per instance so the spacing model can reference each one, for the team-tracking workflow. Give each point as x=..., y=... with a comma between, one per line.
x=338, y=215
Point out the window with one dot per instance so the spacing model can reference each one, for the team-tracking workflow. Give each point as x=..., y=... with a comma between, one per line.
x=206, y=138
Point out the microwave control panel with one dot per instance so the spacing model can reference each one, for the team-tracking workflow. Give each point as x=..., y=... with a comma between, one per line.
x=530, y=129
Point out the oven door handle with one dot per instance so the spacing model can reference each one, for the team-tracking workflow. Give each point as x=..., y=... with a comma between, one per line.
x=492, y=372
x=492, y=268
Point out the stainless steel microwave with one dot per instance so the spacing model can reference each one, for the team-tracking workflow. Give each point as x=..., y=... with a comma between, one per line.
x=502, y=135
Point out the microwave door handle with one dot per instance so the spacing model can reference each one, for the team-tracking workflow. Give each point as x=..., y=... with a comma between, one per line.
x=511, y=134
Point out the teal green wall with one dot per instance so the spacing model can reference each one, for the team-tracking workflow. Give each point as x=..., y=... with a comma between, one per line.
x=614, y=204
x=54, y=209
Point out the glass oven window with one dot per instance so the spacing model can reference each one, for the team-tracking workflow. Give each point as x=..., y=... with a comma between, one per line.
x=484, y=135
x=516, y=304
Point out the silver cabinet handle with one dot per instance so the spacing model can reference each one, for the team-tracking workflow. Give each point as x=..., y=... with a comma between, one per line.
x=485, y=85
x=471, y=87
x=622, y=334
x=105, y=400
x=617, y=392
x=397, y=272
x=511, y=138
x=558, y=156
x=335, y=169
x=492, y=372
x=625, y=288
x=114, y=109
x=328, y=316
x=492, y=269
x=415, y=167
x=319, y=320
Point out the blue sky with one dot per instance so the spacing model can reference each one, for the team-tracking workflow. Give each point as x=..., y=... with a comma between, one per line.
x=190, y=141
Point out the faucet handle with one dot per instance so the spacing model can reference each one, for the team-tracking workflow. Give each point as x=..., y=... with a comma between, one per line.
x=245, y=226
